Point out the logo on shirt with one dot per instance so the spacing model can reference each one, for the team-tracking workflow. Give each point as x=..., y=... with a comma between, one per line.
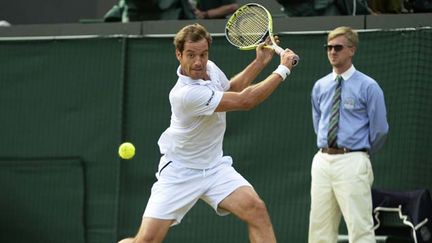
x=211, y=97
x=349, y=103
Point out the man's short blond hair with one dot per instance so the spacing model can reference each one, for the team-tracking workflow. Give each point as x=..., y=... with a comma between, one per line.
x=346, y=31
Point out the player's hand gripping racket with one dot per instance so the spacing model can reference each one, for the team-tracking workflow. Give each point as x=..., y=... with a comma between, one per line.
x=250, y=25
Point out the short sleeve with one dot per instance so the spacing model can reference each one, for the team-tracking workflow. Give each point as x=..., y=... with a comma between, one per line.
x=201, y=100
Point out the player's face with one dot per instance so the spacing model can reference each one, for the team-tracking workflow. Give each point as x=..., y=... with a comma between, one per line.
x=340, y=52
x=193, y=59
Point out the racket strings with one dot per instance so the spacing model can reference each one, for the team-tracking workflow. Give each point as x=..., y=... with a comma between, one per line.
x=249, y=27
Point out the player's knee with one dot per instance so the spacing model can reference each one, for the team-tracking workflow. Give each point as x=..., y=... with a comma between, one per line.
x=256, y=209
x=128, y=240
x=147, y=239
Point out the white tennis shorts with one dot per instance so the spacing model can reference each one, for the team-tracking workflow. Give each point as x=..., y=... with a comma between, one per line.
x=179, y=188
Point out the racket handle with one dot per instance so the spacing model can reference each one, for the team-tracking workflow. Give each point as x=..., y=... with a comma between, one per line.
x=279, y=50
x=295, y=60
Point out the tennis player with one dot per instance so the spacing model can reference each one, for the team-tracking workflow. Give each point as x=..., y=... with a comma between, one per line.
x=350, y=123
x=193, y=165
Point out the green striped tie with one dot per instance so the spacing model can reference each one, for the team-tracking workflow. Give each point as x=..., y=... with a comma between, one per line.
x=334, y=118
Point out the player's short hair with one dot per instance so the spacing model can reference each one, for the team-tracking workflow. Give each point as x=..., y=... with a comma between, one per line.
x=346, y=31
x=193, y=33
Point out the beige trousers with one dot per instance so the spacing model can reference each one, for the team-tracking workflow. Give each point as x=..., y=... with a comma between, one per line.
x=341, y=185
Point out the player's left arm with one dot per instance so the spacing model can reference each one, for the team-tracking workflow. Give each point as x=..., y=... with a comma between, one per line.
x=243, y=79
x=377, y=112
x=253, y=95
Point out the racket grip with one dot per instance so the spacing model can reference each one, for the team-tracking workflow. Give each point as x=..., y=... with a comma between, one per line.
x=279, y=50
x=295, y=60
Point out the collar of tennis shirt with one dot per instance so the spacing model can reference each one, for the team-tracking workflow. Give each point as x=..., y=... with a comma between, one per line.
x=187, y=80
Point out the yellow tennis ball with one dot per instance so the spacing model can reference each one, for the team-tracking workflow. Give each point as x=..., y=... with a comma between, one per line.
x=126, y=150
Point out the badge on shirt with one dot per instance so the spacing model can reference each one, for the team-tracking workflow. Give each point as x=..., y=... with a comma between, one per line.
x=349, y=103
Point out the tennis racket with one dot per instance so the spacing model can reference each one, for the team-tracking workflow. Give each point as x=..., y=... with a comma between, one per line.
x=249, y=26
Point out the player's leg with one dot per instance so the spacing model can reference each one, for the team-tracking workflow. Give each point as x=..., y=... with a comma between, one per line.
x=355, y=198
x=325, y=215
x=127, y=240
x=166, y=206
x=245, y=203
x=229, y=192
x=151, y=231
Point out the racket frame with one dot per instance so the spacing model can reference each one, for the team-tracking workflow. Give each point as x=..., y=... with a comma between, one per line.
x=234, y=18
x=269, y=33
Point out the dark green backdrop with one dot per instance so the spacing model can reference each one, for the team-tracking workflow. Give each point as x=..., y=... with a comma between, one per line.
x=66, y=105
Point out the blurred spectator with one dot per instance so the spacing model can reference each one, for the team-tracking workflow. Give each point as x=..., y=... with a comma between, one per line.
x=354, y=7
x=139, y=10
x=422, y=6
x=303, y=8
x=399, y=6
x=300, y=8
x=213, y=9
x=386, y=6
x=133, y=10
x=416, y=6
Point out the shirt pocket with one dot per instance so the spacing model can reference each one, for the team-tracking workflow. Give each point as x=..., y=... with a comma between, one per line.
x=353, y=104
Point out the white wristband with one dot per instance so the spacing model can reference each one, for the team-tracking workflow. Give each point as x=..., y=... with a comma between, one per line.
x=282, y=71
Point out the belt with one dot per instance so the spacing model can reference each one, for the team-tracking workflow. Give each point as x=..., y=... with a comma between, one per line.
x=341, y=150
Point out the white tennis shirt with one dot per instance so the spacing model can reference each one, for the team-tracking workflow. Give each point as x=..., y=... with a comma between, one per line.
x=195, y=135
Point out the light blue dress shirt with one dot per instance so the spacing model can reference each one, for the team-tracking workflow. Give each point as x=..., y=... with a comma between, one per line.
x=363, y=116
